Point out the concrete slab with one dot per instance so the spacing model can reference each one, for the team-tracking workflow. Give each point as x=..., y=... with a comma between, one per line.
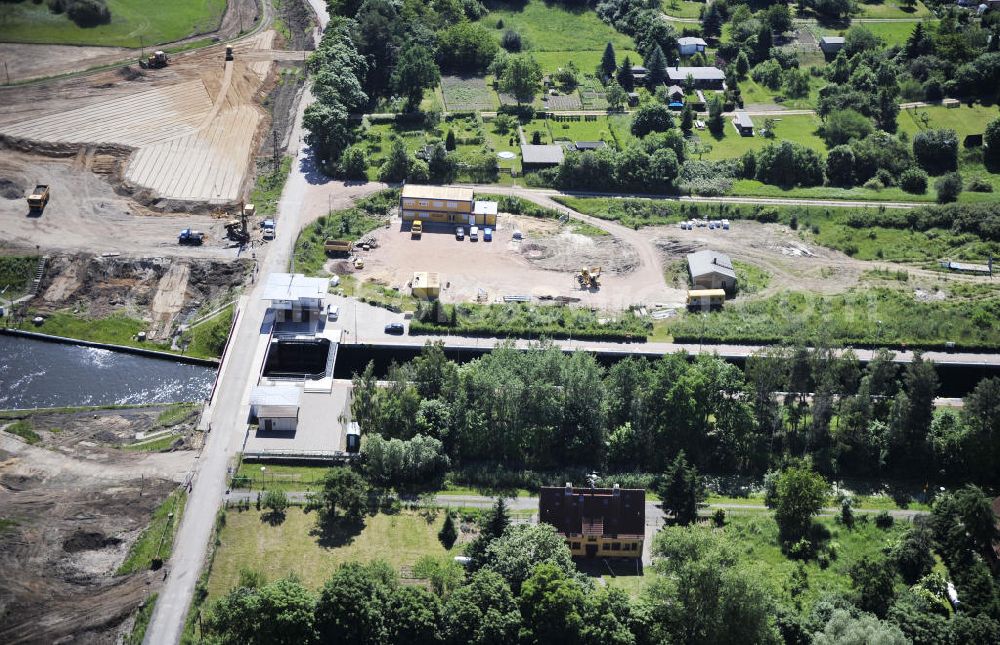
x=320, y=426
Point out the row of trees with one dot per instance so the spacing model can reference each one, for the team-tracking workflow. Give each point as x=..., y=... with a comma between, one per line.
x=541, y=409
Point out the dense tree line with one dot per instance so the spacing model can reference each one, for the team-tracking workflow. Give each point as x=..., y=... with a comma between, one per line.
x=544, y=410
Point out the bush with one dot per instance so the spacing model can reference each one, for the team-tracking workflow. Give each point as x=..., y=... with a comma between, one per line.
x=979, y=185
x=948, y=187
x=936, y=150
x=511, y=40
x=88, y=13
x=719, y=518
x=884, y=521
x=874, y=184
x=913, y=180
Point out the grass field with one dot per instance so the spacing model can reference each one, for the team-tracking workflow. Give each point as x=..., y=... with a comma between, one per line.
x=156, y=445
x=891, y=9
x=964, y=120
x=209, y=338
x=133, y=23
x=554, y=28
x=158, y=538
x=682, y=8
x=862, y=315
x=754, y=93
x=279, y=476
x=292, y=547
x=753, y=188
x=116, y=330
x=797, y=128
x=585, y=60
x=24, y=429
x=610, y=129
x=467, y=94
x=891, y=33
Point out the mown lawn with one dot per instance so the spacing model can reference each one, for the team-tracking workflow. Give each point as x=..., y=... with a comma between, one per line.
x=891, y=9
x=891, y=33
x=682, y=8
x=586, y=61
x=279, y=476
x=133, y=23
x=754, y=93
x=555, y=28
x=117, y=330
x=797, y=128
x=294, y=547
x=964, y=120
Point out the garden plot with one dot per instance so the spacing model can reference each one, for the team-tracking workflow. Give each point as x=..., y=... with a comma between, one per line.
x=467, y=94
x=562, y=102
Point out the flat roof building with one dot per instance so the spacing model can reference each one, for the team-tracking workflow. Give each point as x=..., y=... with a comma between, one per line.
x=743, y=123
x=426, y=285
x=831, y=44
x=435, y=203
x=485, y=213
x=276, y=407
x=706, y=78
x=295, y=297
x=690, y=45
x=546, y=156
x=711, y=270
x=596, y=522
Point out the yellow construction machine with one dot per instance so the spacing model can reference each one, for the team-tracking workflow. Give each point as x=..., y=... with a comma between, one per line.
x=589, y=277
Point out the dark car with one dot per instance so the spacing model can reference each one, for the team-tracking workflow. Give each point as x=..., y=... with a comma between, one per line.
x=394, y=328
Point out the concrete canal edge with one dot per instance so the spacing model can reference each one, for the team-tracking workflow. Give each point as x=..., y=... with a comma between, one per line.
x=125, y=349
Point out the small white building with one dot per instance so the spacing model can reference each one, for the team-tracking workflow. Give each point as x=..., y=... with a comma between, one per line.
x=691, y=45
x=294, y=297
x=276, y=407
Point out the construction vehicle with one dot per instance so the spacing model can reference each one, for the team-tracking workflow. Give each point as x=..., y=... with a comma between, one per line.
x=39, y=198
x=269, y=227
x=156, y=60
x=189, y=236
x=589, y=277
x=238, y=230
x=338, y=247
x=417, y=229
x=229, y=52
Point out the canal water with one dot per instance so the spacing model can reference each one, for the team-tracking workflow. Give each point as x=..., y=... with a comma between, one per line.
x=41, y=374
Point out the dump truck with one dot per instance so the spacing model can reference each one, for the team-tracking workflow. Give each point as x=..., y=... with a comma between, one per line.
x=189, y=236
x=338, y=247
x=156, y=60
x=39, y=198
x=589, y=277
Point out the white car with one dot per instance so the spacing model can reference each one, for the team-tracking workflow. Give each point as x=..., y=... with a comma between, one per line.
x=474, y=233
x=332, y=312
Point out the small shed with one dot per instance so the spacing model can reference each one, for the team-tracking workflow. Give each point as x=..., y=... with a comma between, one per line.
x=831, y=44
x=276, y=407
x=705, y=299
x=426, y=285
x=691, y=45
x=544, y=156
x=743, y=123
x=675, y=93
x=711, y=270
x=639, y=73
x=633, y=99
x=485, y=213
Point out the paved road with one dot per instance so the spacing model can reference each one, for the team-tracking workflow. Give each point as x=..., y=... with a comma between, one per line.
x=227, y=415
x=653, y=511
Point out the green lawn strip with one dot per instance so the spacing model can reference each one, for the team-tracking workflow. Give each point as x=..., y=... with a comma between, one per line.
x=114, y=330
x=158, y=538
x=267, y=189
x=142, y=618
x=891, y=33
x=209, y=338
x=754, y=188
x=754, y=93
x=176, y=413
x=750, y=278
x=859, y=316
x=293, y=547
x=278, y=476
x=352, y=223
x=156, y=445
x=554, y=27
x=16, y=273
x=586, y=61
x=133, y=23
x=18, y=414
x=964, y=120
x=862, y=503
x=24, y=429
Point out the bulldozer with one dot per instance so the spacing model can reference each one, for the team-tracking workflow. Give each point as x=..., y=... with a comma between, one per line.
x=589, y=277
x=156, y=60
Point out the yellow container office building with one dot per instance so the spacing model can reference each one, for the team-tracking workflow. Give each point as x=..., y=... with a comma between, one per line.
x=436, y=204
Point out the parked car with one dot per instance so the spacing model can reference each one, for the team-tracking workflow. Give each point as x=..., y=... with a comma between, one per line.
x=517, y=235
x=394, y=328
x=474, y=233
x=459, y=233
x=487, y=234
x=332, y=312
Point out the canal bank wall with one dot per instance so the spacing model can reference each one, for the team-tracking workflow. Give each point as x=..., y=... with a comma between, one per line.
x=125, y=349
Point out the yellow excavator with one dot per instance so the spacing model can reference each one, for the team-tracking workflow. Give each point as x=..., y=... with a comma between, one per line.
x=589, y=277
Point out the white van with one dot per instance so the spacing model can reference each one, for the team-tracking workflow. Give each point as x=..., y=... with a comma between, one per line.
x=474, y=233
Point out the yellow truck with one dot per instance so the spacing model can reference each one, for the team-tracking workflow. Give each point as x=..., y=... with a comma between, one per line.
x=338, y=247
x=417, y=229
x=39, y=198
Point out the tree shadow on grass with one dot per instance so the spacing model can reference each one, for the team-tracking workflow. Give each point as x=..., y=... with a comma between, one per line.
x=615, y=567
x=274, y=518
x=333, y=532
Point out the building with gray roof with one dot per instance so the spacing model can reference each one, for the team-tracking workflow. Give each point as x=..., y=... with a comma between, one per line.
x=711, y=270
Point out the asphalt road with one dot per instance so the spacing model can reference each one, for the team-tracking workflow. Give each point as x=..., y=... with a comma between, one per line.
x=227, y=415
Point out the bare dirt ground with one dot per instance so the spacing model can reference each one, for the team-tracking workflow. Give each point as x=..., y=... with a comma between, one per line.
x=543, y=264
x=163, y=291
x=191, y=127
x=29, y=61
x=75, y=516
x=86, y=214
